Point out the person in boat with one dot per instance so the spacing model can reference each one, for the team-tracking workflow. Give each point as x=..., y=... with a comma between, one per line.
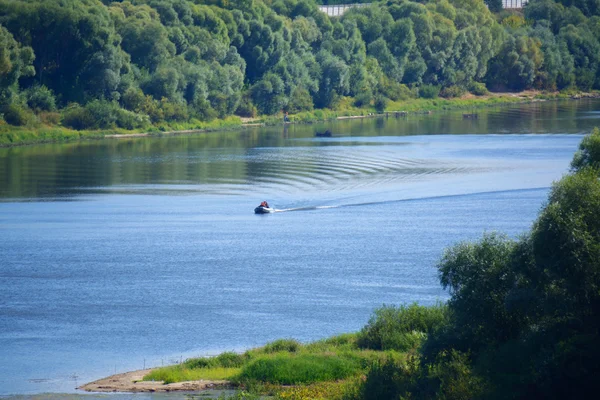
x=264, y=204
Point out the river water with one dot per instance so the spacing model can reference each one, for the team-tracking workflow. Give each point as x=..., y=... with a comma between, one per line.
x=123, y=254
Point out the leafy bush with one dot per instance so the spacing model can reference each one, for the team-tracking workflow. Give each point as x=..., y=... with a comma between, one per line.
x=396, y=91
x=401, y=328
x=246, y=108
x=363, y=98
x=300, y=100
x=429, y=91
x=50, y=118
x=17, y=115
x=388, y=379
x=380, y=103
x=478, y=89
x=101, y=114
x=77, y=117
x=40, y=98
x=588, y=154
x=452, y=92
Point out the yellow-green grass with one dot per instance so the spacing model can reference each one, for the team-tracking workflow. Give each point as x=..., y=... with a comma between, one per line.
x=11, y=136
x=181, y=373
x=282, y=362
x=17, y=135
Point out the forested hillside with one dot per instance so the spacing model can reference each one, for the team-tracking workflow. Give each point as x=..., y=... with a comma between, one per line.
x=98, y=64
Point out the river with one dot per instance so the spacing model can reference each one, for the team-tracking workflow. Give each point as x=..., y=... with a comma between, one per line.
x=120, y=254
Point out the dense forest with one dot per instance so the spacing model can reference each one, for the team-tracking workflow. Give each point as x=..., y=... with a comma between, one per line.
x=98, y=64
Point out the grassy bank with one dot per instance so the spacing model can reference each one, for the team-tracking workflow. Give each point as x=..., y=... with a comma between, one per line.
x=19, y=135
x=333, y=368
x=14, y=136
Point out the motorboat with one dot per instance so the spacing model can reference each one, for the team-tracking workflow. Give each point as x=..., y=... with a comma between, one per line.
x=263, y=210
x=327, y=133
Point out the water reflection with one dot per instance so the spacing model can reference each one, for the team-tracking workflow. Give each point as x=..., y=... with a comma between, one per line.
x=289, y=157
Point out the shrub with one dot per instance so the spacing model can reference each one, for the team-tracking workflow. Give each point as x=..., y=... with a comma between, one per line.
x=363, y=98
x=401, y=328
x=40, y=98
x=49, y=118
x=452, y=92
x=300, y=100
x=130, y=120
x=396, y=91
x=17, y=115
x=104, y=115
x=78, y=118
x=388, y=379
x=588, y=154
x=478, y=89
x=246, y=108
x=429, y=91
x=380, y=103
x=133, y=99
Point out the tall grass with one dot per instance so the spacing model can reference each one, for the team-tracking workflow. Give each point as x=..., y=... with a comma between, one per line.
x=180, y=373
x=288, y=369
x=401, y=328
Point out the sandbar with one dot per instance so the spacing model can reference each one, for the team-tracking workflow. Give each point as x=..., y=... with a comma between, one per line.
x=132, y=382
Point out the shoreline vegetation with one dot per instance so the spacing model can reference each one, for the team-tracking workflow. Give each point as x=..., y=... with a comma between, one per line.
x=18, y=136
x=500, y=335
x=95, y=68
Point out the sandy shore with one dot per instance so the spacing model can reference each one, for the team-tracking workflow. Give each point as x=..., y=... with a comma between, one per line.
x=132, y=382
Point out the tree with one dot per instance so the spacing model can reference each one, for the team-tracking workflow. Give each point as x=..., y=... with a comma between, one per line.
x=15, y=62
x=588, y=154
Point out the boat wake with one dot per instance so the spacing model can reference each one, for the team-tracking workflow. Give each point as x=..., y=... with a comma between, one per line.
x=371, y=203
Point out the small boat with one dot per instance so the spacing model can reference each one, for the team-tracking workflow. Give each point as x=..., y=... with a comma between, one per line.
x=263, y=210
x=327, y=133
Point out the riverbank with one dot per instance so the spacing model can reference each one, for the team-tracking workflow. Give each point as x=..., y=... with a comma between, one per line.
x=133, y=382
x=19, y=136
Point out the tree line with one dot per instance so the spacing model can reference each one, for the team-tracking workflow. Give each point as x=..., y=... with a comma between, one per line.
x=132, y=63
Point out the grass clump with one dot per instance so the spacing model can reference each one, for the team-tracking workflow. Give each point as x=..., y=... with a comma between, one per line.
x=287, y=345
x=401, y=328
x=181, y=373
x=289, y=369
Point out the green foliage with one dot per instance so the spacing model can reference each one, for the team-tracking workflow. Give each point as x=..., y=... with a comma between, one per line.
x=100, y=114
x=478, y=89
x=588, y=154
x=452, y=91
x=179, y=373
x=300, y=100
x=380, y=103
x=40, y=98
x=401, y=328
x=18, y=115
x=287, y=369
x=429, y=91
x=15, y=62
x=188, y=60
x=388, y=379
x=282, y=345
x=246, y=108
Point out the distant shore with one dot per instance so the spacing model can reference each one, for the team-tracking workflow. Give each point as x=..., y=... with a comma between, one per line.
x=21, y=136
x=132, y=382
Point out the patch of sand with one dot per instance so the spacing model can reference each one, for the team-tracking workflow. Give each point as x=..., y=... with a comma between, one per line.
x=132, y=382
